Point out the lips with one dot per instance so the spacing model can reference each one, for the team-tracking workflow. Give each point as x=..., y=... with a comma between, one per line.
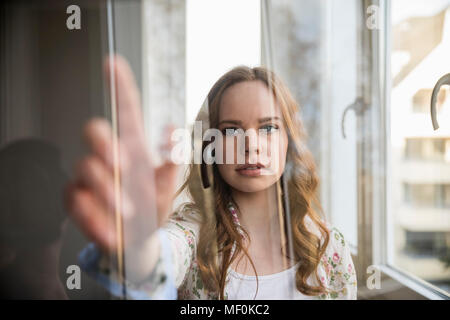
x=249, y=166
x=251, y=170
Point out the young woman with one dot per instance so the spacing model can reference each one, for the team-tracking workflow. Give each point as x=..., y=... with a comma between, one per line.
x=251, y=229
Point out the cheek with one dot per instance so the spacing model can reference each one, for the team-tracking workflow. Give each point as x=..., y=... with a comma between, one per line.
x=278, y=151
x=225, y=172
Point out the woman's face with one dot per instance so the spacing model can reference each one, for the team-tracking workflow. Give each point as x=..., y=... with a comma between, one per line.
x=255, y=138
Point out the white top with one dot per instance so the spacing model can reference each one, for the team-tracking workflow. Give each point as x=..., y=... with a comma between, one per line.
x=277, y=286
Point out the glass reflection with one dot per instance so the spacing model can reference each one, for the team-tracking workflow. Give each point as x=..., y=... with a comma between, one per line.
x=32, y=220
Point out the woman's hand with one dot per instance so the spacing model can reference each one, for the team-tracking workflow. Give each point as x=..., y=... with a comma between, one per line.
x=142, y=193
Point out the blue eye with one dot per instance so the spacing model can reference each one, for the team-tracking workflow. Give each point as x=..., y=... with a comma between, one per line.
x=268, y=128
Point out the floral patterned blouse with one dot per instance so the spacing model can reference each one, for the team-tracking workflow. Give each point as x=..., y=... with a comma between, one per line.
x=335, y=270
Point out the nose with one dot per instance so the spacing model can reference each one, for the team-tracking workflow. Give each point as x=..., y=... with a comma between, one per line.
x=252, y=147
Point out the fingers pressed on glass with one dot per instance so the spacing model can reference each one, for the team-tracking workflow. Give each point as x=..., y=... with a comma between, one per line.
x=99, y=138
x=93, y=219
x=93, y=174
x=130, y=125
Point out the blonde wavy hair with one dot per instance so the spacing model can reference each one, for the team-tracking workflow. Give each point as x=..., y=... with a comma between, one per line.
x=210, y=195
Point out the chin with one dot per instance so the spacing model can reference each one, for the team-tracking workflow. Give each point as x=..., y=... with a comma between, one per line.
x=251, y=185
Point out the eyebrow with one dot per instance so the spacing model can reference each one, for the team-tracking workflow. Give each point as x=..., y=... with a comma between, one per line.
x=261, y=120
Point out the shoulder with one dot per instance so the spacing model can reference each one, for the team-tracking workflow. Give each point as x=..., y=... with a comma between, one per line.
x=184, y=223
x=336, y=268
x=187, y=216
x=337, y=255
x=336, y=240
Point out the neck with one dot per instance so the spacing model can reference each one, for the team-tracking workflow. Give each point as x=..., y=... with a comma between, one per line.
x=259, y=215
x=257, y=210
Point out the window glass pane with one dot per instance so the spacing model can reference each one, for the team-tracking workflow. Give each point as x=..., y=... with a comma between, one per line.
x=307, y=38
x=49, y=89
x=230, y=94
x=340, y=153
x=419, y=156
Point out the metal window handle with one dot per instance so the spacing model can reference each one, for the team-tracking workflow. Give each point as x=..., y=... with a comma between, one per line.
x=443, y=80
x=359, y=106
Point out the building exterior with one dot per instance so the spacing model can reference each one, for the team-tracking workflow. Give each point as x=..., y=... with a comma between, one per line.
x=420, y=155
